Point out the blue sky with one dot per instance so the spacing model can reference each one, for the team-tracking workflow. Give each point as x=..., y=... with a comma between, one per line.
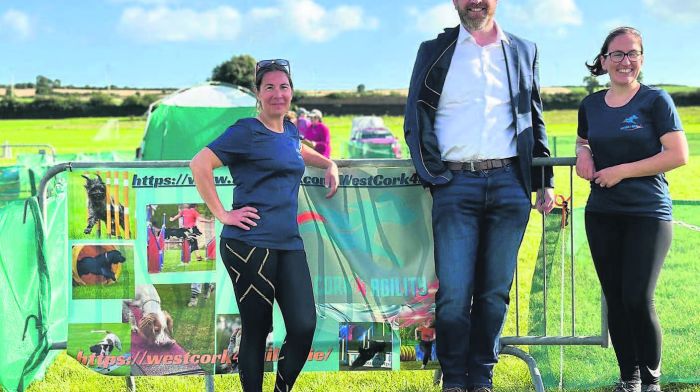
x=331, y=44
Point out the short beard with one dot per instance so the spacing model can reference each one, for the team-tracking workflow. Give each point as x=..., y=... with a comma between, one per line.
x=473, y=24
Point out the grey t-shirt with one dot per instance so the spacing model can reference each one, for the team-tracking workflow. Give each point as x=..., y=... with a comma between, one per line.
x=627, y=134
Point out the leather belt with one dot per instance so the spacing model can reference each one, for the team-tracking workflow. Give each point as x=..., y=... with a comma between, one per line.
x=486, y=164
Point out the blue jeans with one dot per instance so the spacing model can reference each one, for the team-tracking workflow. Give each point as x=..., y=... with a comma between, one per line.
x=479, y=219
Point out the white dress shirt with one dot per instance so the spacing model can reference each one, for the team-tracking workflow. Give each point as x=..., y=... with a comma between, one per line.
x=474, y=120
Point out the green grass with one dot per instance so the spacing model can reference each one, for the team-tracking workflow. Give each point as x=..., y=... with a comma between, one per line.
x=586, y=365
x=78, y=135
x=172, y=263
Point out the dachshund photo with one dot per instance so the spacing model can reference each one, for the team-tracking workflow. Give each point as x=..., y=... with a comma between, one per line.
x=101, y=264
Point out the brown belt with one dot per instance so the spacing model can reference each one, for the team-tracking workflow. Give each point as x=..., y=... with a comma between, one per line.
x=486, y=164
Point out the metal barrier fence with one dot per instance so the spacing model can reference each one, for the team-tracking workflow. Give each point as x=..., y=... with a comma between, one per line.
x=508, y=343
x=7, y=148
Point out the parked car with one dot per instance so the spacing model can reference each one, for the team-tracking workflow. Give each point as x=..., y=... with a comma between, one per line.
x=370, y=138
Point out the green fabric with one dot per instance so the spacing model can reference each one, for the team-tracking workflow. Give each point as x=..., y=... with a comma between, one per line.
x=178, y=133
x=25, y=289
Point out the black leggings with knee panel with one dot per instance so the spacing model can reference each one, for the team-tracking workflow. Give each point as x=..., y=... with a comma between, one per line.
x=260, y=276
x=628, y=252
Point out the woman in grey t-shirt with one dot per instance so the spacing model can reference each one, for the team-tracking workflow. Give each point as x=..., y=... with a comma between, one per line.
x=628, y=136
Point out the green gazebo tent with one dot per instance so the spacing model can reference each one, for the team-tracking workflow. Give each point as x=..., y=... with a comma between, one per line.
x=180, y=124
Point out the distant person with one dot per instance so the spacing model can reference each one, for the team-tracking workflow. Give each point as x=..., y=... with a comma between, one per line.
x=426, y=335
x=190, y=218
x=260, y=243
x=318, y=134
x=303, y=121
x=291, y=116
x=628, y=136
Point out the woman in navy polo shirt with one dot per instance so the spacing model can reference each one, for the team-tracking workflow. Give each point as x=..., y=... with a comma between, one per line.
x=260, y=243
x=628, y=136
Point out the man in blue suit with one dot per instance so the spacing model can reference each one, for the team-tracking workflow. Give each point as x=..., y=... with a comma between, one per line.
x=473, y=123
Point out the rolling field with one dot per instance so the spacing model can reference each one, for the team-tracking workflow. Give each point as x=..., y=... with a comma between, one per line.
x=91, y=135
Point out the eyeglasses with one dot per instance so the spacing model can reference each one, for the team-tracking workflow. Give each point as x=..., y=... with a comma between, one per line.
x=266, y=63
x=618, y=55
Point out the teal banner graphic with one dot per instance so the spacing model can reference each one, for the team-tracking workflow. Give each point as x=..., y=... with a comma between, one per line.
x=150, y=295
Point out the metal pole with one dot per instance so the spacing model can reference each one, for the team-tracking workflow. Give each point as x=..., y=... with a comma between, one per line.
x=531, y=364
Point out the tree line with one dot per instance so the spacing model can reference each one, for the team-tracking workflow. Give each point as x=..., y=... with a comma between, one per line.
x=240, y=70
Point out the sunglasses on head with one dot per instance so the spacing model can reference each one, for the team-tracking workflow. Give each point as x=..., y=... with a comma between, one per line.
x=266, y=63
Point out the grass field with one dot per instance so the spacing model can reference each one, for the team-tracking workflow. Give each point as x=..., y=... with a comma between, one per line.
x=172, y=263
x=84, y=135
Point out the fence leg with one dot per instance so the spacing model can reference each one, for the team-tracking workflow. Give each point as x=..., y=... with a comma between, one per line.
x=534, y=370
x=131, y=384
x=209, y=382
x=437, y=377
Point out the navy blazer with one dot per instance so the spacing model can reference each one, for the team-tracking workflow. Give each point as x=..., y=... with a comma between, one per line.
x=429, y=73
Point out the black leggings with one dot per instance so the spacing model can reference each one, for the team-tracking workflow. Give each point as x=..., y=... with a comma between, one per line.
x=260, y=276
x=427, y=347
x=628, y=252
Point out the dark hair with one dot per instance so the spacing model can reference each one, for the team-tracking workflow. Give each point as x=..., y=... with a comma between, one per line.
x=270, y=68
x=596, y=68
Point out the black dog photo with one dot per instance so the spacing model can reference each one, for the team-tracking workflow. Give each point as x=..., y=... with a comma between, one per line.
x=99, y=207
x=103, y=271
x=365, y=346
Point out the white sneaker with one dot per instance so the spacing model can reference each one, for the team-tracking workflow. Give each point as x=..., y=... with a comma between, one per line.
x=193, y=302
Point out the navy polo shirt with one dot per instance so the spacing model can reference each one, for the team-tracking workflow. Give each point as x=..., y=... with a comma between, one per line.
x=266, y=168
x=627, y=134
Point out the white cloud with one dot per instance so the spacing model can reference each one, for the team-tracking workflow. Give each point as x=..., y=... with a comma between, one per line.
x=313, y=22
x=262, y=14
x=305, y=19
x=554, y=14
x=181, y=24
x=434, y=20
x=16, y=23
x=683, y=11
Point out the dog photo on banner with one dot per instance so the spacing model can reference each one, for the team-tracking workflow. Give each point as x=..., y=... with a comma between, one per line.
x=101, y=205
x=180, y=238
x=102, y=347
x=102, y=271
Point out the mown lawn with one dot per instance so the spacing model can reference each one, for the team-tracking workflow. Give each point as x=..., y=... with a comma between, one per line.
x=88, y=135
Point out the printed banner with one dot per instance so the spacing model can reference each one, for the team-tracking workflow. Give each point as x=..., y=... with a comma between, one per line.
x=150, y=295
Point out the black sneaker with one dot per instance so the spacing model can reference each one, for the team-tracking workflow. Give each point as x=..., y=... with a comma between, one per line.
x=628, y=386
x=454, y=389
x=651, y=388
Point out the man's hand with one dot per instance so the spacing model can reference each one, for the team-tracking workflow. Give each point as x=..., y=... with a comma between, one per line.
x=544, y=201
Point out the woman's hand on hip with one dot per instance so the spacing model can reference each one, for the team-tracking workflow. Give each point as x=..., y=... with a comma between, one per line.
x=242, y=217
